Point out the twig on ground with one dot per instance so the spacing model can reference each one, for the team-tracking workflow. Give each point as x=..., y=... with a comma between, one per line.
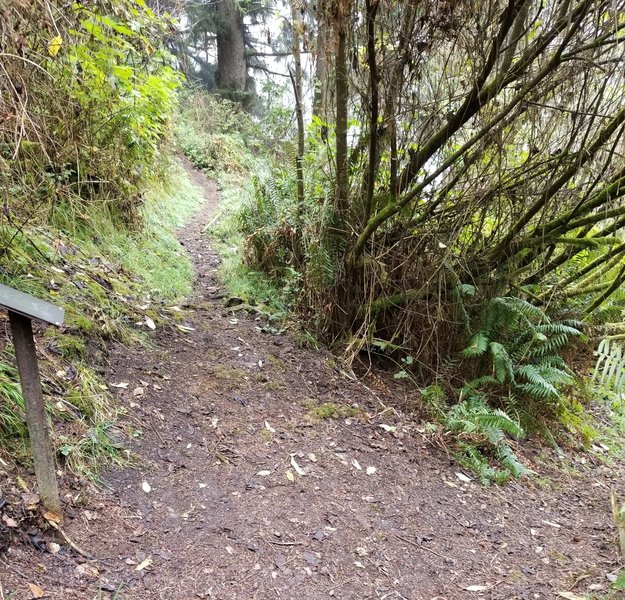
x=277, y=543
x=417, y=545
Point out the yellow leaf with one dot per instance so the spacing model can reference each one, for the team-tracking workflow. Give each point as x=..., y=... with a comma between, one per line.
x=55, y=45
x=144, y=565
x=36, y=591
x=290, y=476
x=52, y=517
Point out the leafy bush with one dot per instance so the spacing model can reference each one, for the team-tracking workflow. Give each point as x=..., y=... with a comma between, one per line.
x=94, y=89
x=216, y=134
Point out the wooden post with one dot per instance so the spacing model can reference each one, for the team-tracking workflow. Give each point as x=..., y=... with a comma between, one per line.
x=43, y=454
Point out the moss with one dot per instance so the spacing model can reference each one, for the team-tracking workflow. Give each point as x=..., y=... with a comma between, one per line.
x=71, y=347
x=273, y=385
x=277, y=363
x=78, y=320
x=332, y=410
x=265, y=435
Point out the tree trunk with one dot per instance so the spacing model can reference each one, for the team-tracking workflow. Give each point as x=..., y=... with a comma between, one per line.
x=231, y=61
x=321, y=66
x=342, y=96
x=299, y=110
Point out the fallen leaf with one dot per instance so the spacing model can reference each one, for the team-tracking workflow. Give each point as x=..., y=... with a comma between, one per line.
x=150, y=323
x=123, y=385
x=289, y=475
x=552, y=524
x=387, y=428
x=88, y=570
x=36, y=591
x=53, y=48
x=30, y=500
x=144, y=565
x=359, y=564
x=371, y=470
x=463, y=477
x=269, y=427
x=476, y=588
x=147, y=488
x=297, y=468
x=263, y=473
x=185, y=328
x=312, y=457
x=356, y=464
x=53, y=547
x=52, y=517
x=8, y=521
x=571, y=596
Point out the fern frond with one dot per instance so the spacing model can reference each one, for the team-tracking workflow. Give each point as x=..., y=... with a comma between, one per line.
x=498, y=419
x=477, y=345
x=504, y=368
x=471, y=458
x=509, y=460
x=610, y=366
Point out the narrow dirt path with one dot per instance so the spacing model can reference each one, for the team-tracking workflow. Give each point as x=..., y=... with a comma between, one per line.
x=244, y=492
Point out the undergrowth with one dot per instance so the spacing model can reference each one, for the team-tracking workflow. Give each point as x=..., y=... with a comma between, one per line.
x=110, y=280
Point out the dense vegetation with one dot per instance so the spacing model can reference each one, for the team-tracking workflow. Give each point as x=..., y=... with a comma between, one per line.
x=435, y=186
x=454, y=202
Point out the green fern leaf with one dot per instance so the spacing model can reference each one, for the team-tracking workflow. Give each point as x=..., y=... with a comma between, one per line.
x=477, y=345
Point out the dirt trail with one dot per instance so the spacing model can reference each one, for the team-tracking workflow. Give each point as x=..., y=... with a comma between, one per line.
x=227, y=432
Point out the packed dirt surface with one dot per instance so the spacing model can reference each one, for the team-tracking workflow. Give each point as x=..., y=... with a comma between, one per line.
x=264, y=470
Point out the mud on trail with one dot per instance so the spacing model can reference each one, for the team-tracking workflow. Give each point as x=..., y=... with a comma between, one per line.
x=265, y=472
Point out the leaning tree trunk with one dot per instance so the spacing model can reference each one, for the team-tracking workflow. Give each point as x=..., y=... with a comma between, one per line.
x=231, y=62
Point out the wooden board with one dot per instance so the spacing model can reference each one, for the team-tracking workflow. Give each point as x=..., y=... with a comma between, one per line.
x=31, y=307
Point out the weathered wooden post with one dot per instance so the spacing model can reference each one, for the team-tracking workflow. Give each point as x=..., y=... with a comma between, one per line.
x=22, y=309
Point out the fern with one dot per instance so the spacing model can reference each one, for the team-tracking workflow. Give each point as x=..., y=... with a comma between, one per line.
x=503, y=366
x=471, y=458
x=508, y=459
x=477, y=345
x=523, y=344
x=482, y=431
x=610, y=366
